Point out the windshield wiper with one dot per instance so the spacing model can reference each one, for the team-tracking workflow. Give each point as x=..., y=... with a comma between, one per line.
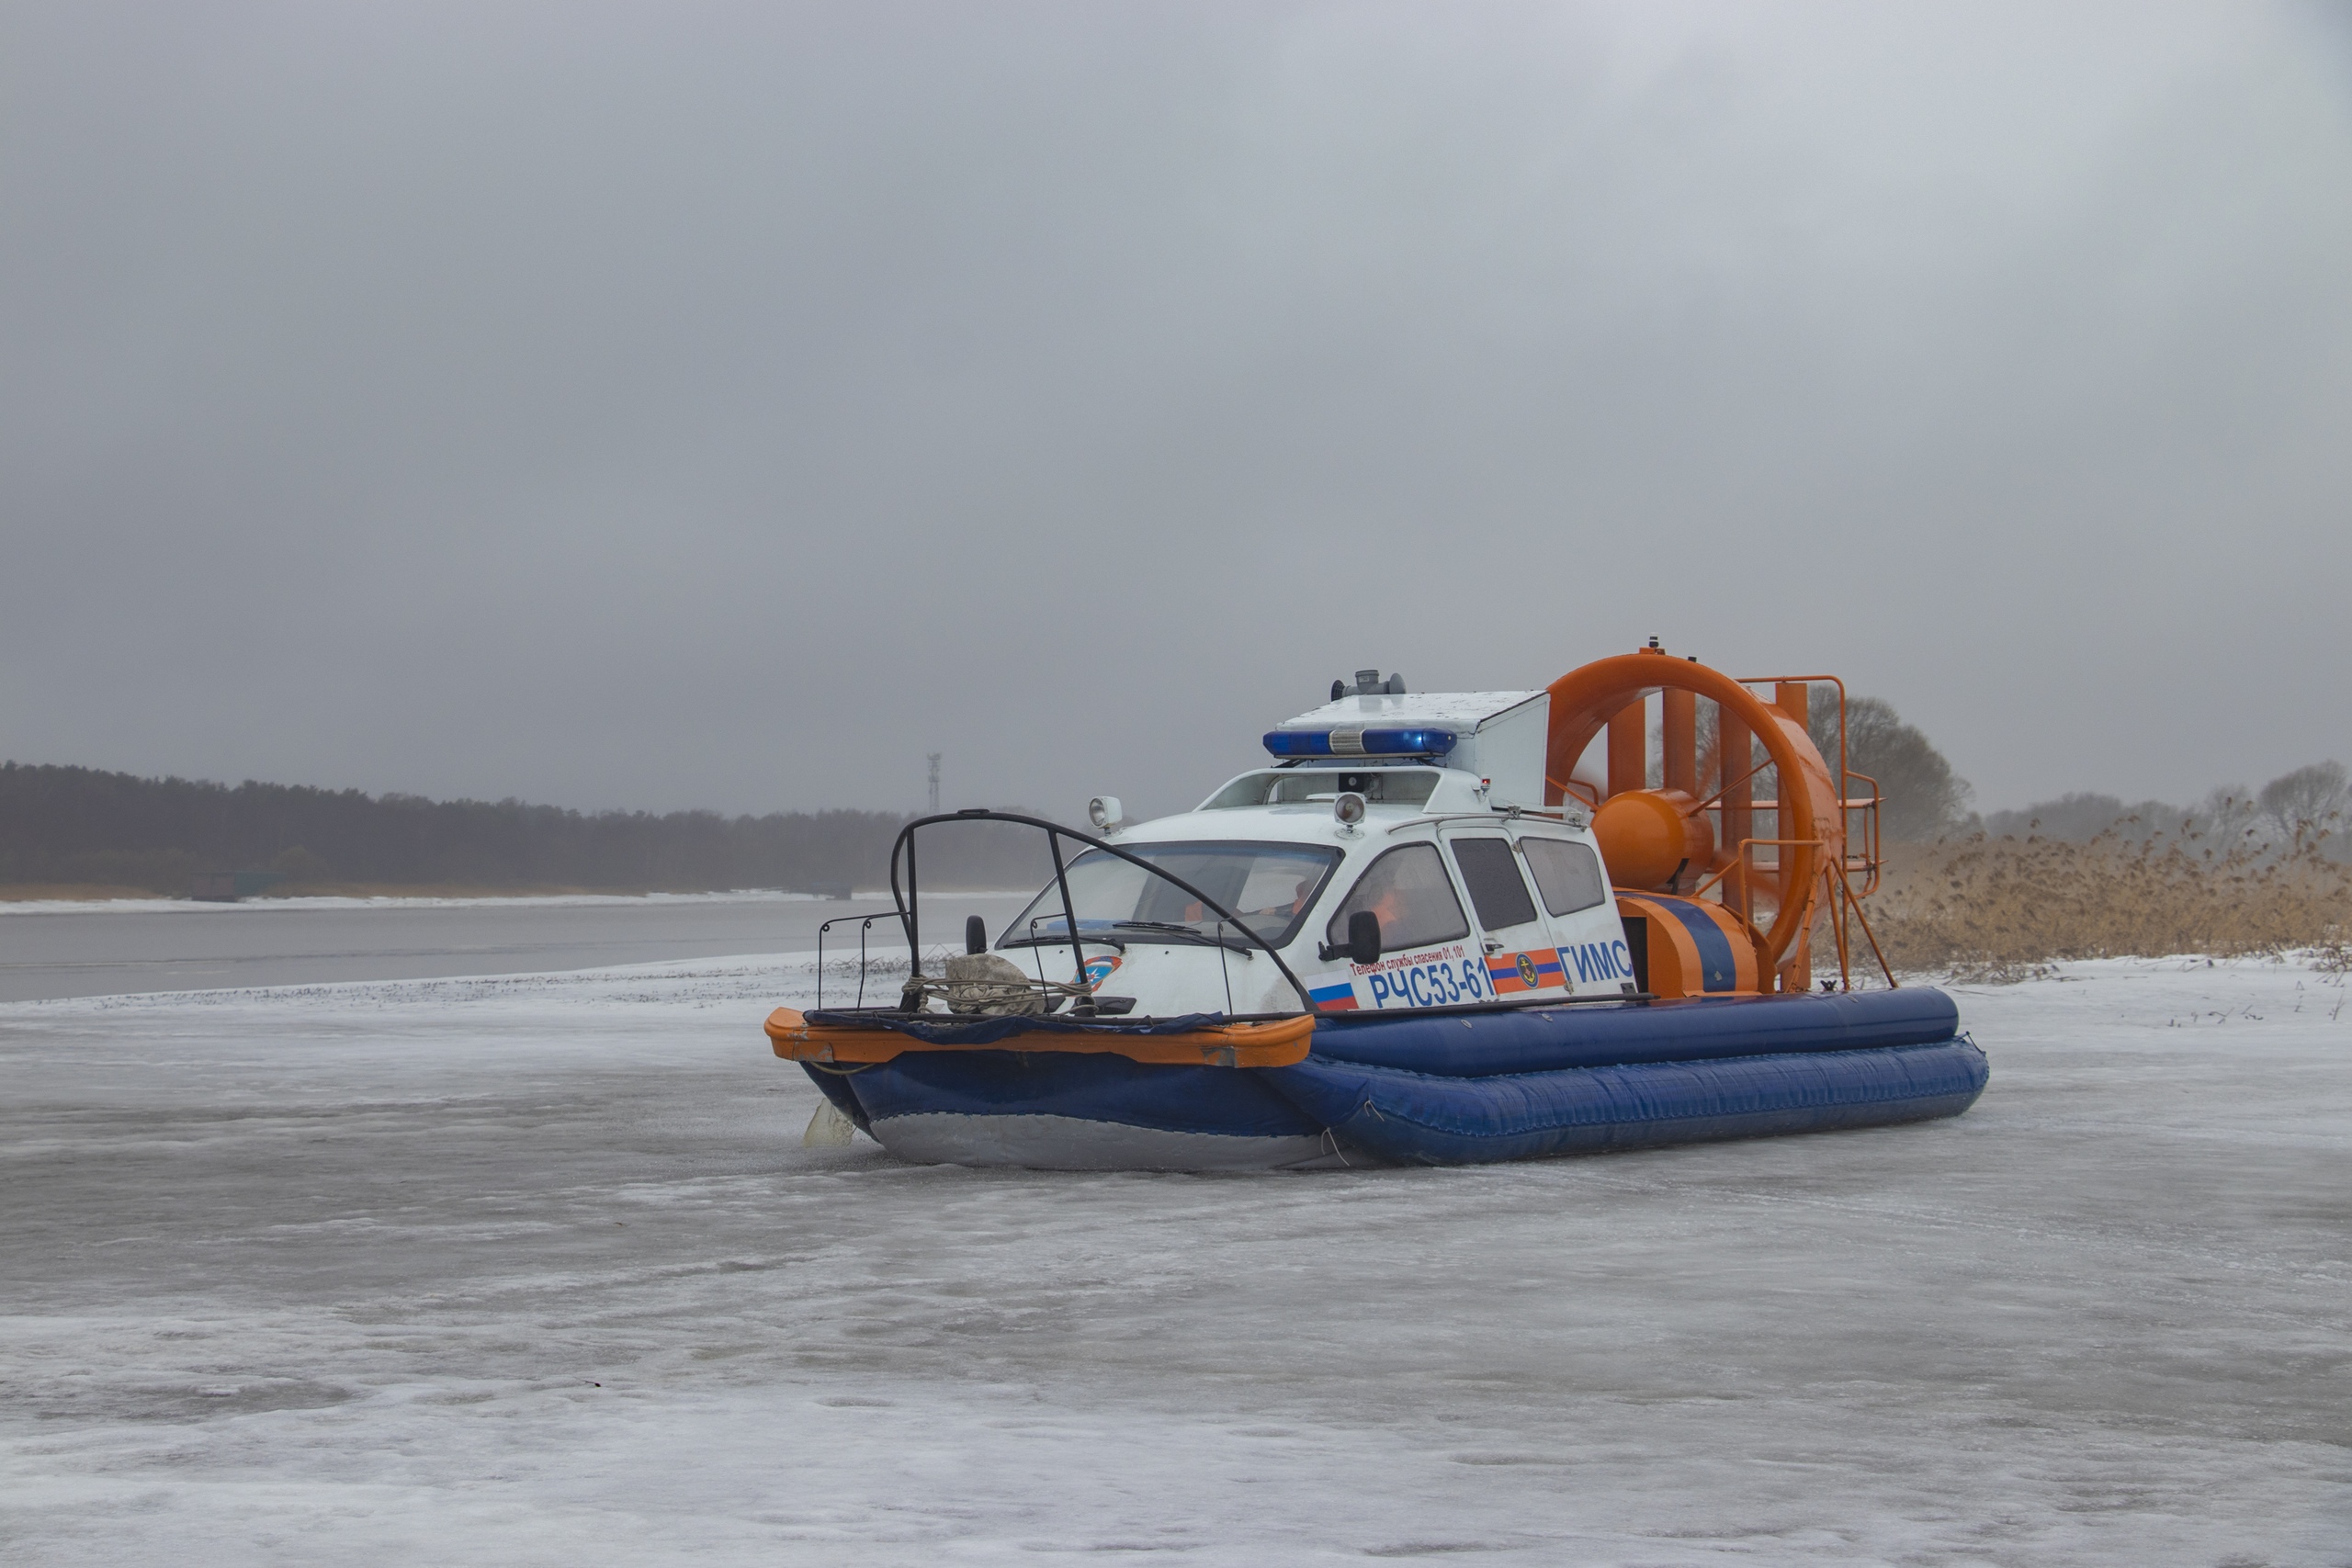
x=1167, y=928
x=1058, y=939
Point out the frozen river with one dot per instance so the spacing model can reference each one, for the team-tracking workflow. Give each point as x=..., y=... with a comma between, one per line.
x=48, y=950
x=534, y=1270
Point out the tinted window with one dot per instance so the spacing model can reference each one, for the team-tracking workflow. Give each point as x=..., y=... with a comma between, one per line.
x=1407, y=889
x=1497, y=890
x=1568, y=875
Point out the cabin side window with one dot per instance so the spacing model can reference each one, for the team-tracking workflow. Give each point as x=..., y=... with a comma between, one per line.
x=1497, y=890
x=1566, y=874
x=1408, y=889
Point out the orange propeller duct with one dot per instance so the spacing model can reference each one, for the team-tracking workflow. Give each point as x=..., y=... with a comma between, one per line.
x=1696, y=839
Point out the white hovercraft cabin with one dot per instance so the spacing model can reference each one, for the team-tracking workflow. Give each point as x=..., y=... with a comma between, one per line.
x=1423, y=810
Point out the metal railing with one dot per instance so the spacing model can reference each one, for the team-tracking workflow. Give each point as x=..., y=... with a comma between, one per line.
x=1055, y=833
x=1838, y=882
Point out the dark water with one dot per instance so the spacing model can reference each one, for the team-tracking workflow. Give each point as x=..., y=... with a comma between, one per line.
x=103, y=950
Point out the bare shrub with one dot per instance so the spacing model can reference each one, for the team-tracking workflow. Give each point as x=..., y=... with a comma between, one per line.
x=1925, y=799
x=2305, y=800
x=1998, y=909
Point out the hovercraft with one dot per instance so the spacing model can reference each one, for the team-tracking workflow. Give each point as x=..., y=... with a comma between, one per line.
x=1435, y=928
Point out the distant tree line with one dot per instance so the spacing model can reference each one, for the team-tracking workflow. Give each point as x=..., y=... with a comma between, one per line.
x=1925, y=800
x=68, y=825
x=2311, y=806
x=82, y=826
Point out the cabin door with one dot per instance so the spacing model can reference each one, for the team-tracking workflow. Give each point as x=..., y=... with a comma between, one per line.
x=1519, y=948
x=1573, y=891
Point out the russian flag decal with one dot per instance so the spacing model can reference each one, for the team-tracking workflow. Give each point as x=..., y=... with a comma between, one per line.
x=1340, y=997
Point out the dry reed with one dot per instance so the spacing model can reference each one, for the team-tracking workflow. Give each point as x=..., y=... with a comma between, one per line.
x=2006, y=908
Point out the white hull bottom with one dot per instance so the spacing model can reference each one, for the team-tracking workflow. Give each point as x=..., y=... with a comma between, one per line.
x=1070, y=1143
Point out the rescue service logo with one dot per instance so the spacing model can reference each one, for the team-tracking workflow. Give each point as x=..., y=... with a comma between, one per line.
x=1099, y=969
x=1509, y=973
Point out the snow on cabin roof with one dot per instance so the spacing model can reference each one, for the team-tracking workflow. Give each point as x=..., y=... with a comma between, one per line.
x=1462, y=711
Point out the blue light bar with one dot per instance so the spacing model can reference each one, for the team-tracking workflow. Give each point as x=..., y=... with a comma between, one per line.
x=1360, y=742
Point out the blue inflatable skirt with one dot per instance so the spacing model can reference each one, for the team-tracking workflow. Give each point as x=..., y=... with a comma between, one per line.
x=1439, y=1090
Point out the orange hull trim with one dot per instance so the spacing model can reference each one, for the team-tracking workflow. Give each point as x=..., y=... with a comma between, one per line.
x=1279, y=1044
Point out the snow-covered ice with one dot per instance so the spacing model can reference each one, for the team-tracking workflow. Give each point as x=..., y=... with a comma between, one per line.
x=535, y=1270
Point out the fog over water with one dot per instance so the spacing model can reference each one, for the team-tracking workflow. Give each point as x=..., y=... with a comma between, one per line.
x=728, y=405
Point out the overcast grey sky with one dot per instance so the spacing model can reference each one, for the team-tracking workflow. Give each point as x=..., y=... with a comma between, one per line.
x=691, y=404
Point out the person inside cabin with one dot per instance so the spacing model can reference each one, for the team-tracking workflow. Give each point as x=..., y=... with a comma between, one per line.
x=1407, y=889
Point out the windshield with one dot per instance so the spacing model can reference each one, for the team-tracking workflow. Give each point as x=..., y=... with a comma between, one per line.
x=1271, y=886
x=1379, y=786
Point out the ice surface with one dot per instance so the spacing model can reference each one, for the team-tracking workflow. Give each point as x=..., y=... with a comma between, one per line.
x=536, y=1270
